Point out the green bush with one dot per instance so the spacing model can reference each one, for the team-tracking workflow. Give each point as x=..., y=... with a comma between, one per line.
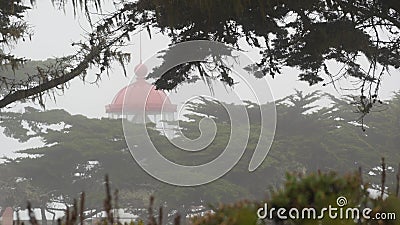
x=316, y=191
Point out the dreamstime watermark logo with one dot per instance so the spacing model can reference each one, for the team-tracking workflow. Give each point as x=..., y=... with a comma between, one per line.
x=341, y=201
x=330, y=212
x=247, y=87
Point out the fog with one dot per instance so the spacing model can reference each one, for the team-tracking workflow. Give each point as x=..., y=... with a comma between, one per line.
x=54, y=31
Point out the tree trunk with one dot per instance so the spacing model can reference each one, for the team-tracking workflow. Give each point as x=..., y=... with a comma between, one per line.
x=43, y=212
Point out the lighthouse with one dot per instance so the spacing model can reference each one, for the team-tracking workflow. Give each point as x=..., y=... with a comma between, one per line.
x=140, y=102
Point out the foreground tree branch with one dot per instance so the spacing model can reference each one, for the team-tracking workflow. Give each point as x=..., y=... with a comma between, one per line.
x=40, y=88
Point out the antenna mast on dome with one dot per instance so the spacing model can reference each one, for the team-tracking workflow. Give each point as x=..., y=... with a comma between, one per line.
x=140, y=46
x=140, y=69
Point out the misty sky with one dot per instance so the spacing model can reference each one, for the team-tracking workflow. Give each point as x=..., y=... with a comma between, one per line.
x=54, y=32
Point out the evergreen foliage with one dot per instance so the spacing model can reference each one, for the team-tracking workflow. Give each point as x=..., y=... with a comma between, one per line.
x=78, y=151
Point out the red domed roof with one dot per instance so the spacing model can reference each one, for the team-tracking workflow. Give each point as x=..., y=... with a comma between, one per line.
x=140, y=94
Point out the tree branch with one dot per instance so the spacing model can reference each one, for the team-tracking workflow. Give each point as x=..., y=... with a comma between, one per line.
x=78, y=70
x=22, y=94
